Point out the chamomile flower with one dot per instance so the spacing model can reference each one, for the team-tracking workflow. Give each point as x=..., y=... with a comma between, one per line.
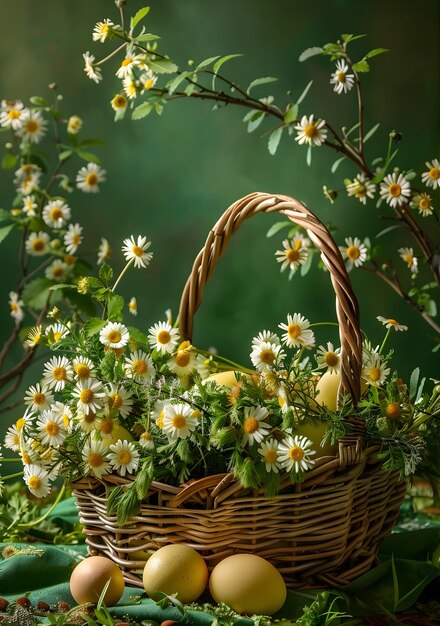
x=12, y=114
x=89, y=177
x=298, y=333
x=265, y=336
x=179, y=421
x=163, y=337
x=423, y=202
x=266, y=355
x=407, y=255
x=361, y=188
x=104, y=251
x=119, y=399
x=146, y=440
x=38, y=397
x=88, y=422
x=34, y=337
x=12, y=439
x=74, y=124
x=119, y=102
x=130, y=62
x=27, y=177
x=91, y=70
x=56, y=331
x=94, y=455
x=395, y=189
x=37, y=244
x=105, y=426
x=73, y=238
x=269, y=450
x=29, y=206
x=342, y=81
x=183, y=362
x=329, y=358
x=355, y=252
x=431, y=178
x=129, y=86
x=311, y=132
x=137, y=251
x=83, y=368
x=375, y=371
x=56, y=213
x=254, y=426
x=295, y=454
x=114, y=335
x=132, y=306
x=50, y=429
x=37, y=480
x=124, y=457
x=89, y=395
x=294, y=255
x=147, y=81
x=139, y=366
x=16, y=307
x=102, y=30
x=57, y=372
x=65, y=413
x=26, y=419
x=58, y=270
x=33, y=126
x=390, y=323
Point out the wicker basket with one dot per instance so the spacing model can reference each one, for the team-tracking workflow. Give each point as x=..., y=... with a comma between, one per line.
x=324, y=531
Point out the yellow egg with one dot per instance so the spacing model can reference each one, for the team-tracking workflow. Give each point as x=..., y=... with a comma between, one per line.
x=228, y=379
x=90, y=577
x=315, y=431
x=119, y=432
x=176, y=568
x=328, y=386
x=248, y=584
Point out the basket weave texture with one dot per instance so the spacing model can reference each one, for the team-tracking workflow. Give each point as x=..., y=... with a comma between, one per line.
x=323, y=531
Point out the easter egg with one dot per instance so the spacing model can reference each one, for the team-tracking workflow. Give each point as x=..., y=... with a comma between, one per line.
x=248, y=584
x=176, y=568
x=227, y=379
x=118, y=432
x=327, y=389
x=91, y=576
x=315, y=431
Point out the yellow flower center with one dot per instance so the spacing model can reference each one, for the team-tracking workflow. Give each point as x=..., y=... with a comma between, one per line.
x=394, y=190
x=331, y=359
x=91, y=179
x=267, y=357
x=69, y=259
x=296, y=453
x=146, y=436
x=66, y=420
x=126, y=62
x=114, y=336
x=353, y=252
x=341, y=77
x=148, y=84
x=37, y=245
x=90, y=418
x=20, y=423
x=179, y=421
x=160, y=419
x=14, y=114
x=393, y=411
x=250, y=425
x=57, y=335
x=116, y=401
x=106, y=426
x=104, y=28
x=82, y=371
x=52, y=429
x=26, y=458
x=292, y=255
x=14, y=307
x=124, y=457
x=434, y=173
x=163, y=337
x=39, y=398
x=119, y=101
x=32, y=126
x=182, y=358
x=310, y=131
x=408, y=258
x=424, y=203
x=56, y=213
x=270, y=456
x=374, y=374
x=281, y=401
x=393, y=322
x=34, y=482
x=95, y=459
x=59, y=373
x=137, y=250
x=294, y=331
x=58, y=271
x=86, y=396
x=140, y=367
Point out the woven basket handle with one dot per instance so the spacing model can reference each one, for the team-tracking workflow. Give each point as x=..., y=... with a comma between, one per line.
x=346, y=303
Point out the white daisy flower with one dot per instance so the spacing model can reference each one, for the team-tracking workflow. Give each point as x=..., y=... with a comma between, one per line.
x=88, y=178
x=158, y=412
x=89, y=395
x=269, y=450
x=38, y=397
x=132, y=306
x=83, y=368
x=179, y=421
x=57, y=270
x=12, y=115
x=368, y=351
x=407, y=255
x=34, y=337
x=73, y=238
x=105, y=426
x=57, y=372
x=266, y=336
x=423, y=202
x=184, y=361
x=12, y=439
x=395, y=189
x=203, y=365
x=104, y=251
x=146, y=440
x=95, y=458
x=37, y=480
x=361, y=188
x=355, y=252
x=119, y=102
x=16, y=306
x=56, y=213
x=58, y=331
x=91, y=70
x=294, y=255
x=37, y=244
x=266, y=355
x=295, y=453
x=311, y=132
x=374, y=371
x=88, y=422
x=29, y=206
x=255, y=429
x=129, y=86
x=342, y=81
x=163, y=337
x=119, y=399
x=298, y=333
x=65, y=413
x=137, y=251
x=139, y=366
x=147, y=81
x=51, y=429
x=33, y=127
x=431, y=178
x=74, y=124
x=124, y=457
x=114, y=335
x=28, y=170
x=329, y=358
x=102, y=30
x=390, y=323
x=26, y=420
x=130, y=62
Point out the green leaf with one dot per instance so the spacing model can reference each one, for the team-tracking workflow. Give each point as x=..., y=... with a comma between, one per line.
x=65, y=154
x=206, y=62
x=413, y=382
x=220, y=62
x=375, y=52
x=138, y=16
x=175, y=82
x=39, y=102
x=142, y=111
x=388, y=230
x=162, y=66
x=274, y=140
x=361, y=66
x=120, y=114
x=291, y=114
x=4, y=215
x=353, y=128
x=138, y=335
x=105, y=273
x=310, y=52
x=88, y=156
x=261, y=81
x=9, y=161
x=371, y=132
x=347, y=38
x=91, y=141
x=431, y=308
x=158, y=107
x=5, y=230
x=275, y=228
x=115, y=306
x=189, y=89
x=146, y=37
x=93, y=326
x=336, y=164
x=304, y=93
x=37, y=292
x=254, y=119
x=309, y=156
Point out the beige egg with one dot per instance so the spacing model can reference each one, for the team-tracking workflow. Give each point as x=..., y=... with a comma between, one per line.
x=315, y=431
x=327, y=389
x=227, y=379
x=119, y=432
x=248, y=584
x=176, y=568
x=90, y=577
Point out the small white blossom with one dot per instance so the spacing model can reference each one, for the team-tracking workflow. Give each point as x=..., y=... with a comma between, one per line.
x=395, y=189
x=16, y=306
x=266, y=355
x=91, y=70
x=407, y=255
x=374, y=371
x=355, y=252
x=50, y=429
x=132, y=306
x=56, y=213
x=89, y=395
x=295, y=453
x=119, y=399
x=269, y=450
x=139, y=366
x=311, y=132
x=57, y=372
x=294, y=255
x=431, y=178
x=254, y=426
x=298, y=333
x=73, y=238
x=137, y=251
x=129, y=63
x=361, y=188
x=12, y=114
x=57, y=270
x=89, y=177
x=390, y=323
x=37, y=480
x=37, y=244
x=38, y=397
x=124, y=457
x=114, y=335
x=342, y=81
x=329, y=358
x=104, y=251
x=102, y=30
x=179, y=421
x=163, y=337
x=33, y=126
x=95, y=458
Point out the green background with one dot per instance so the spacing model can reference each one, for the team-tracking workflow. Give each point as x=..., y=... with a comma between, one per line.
x=171, y=177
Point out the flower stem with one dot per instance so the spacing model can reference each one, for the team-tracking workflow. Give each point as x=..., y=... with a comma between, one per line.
x=384, y=341
x=121, y=275
x=223, y=359
x=17, y=475
x=48, y=512
x=10, y=460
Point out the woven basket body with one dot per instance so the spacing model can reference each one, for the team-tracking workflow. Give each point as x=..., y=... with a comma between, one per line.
x=323, y=531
